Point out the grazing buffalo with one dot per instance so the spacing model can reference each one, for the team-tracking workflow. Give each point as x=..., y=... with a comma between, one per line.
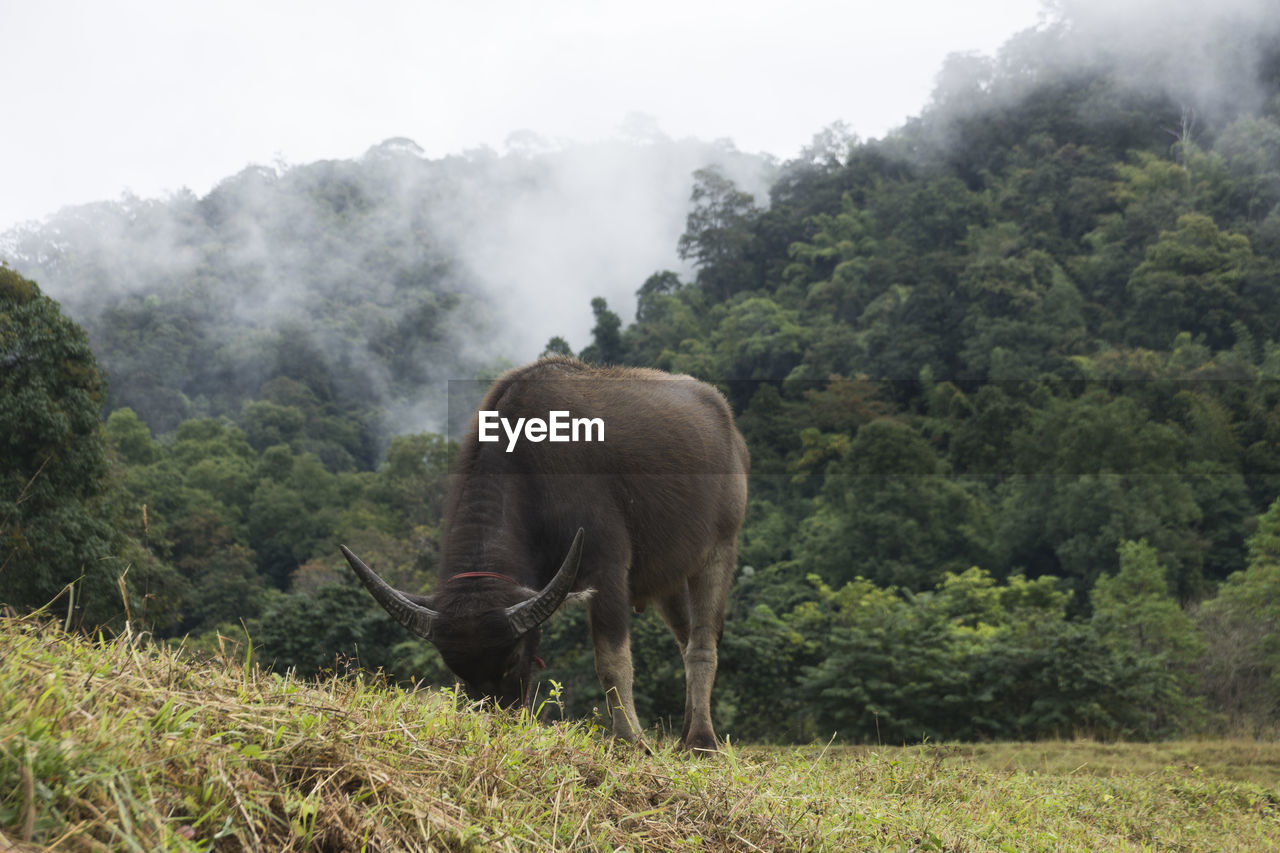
x=640, y=506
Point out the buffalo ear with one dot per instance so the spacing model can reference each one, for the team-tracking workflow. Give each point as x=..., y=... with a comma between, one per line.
x=579, y=598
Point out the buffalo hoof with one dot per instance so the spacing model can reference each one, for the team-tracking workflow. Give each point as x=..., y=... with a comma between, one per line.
x=699, y=744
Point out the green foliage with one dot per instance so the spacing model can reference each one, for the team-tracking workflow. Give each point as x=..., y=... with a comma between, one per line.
x=238, y=523
x=972, y=659
x=59, y=513
x=755, y=339
x=1134, y=611
x=1241, y=671
x=885, y=513
x=1134, y=614
x=283, y=531
x=839, y=261
x=1190, y=280
x=330, y=630
x=756, y=697
x=606, y=345
x=719, y=238
x=667, y=315
x=131, y=438
x=889, y=674
x=1056, y=677
x=224, y=584
x=557, y=346
x=267, y=424
x=1088, y=473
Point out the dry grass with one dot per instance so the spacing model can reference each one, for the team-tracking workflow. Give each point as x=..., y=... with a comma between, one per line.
x=1239, y=759
x=119, y=745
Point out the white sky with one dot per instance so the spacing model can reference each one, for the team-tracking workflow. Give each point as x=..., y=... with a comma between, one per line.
x=149, y=96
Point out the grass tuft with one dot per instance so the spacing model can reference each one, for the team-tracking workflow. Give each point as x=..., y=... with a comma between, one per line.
x=121, y=744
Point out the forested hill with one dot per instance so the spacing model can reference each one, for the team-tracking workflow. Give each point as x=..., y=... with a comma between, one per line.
x=1046, y=277
x=370, y=282
x=1009, y=378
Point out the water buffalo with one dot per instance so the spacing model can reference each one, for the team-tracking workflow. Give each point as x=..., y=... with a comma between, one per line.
x=646, y=510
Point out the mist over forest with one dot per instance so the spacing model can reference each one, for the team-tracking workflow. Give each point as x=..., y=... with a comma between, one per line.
x=1009, y=376
x=394, y=272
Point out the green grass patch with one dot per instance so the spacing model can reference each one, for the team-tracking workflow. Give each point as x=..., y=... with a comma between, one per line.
x=118, y=744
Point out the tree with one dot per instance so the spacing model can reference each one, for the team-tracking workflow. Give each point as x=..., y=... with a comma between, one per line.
x=667, y=313
x=1250, y=147
x=837, y=268
x=892, y=673
x=1024, y=314
x=1134, y=613
x=334, y=628
x=757, y=339
x=557, y=346
x=1092, y=472
x=1241, y=670
x=267, y=423
x=1190, y=281
x=606, y=345
x=885, y=513
x=718, y=235
x=282, y=531
x=224, y=583
x=413, y=481
x=1134, y=610
x=56, y=507
x=131, y=438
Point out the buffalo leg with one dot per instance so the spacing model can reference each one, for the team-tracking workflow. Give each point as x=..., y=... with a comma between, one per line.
x=677, y=613
x=610, y=634
x=708, y=595
x=674, y=610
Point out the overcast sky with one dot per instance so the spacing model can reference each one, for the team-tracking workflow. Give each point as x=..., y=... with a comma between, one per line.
x=150, y=96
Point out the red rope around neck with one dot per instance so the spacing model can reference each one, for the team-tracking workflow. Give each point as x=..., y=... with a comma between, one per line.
x=494, y=575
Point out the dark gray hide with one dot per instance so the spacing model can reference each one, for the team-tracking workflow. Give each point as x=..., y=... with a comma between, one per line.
x=648, y=516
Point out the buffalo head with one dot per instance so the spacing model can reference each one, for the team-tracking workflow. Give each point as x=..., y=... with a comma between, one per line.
x=486, y=626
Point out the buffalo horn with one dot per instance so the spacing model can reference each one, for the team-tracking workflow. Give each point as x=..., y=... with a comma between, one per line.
x=418, y=619
x=532, y=612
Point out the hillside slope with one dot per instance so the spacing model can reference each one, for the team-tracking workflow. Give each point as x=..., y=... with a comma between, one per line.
x=116, y=744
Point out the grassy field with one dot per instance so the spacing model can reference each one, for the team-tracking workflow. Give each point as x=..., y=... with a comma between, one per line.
x=117, y=745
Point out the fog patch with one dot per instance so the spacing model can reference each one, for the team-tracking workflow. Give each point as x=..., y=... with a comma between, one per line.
x=398, y=272
x=543, y=234
x=1207, y=60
